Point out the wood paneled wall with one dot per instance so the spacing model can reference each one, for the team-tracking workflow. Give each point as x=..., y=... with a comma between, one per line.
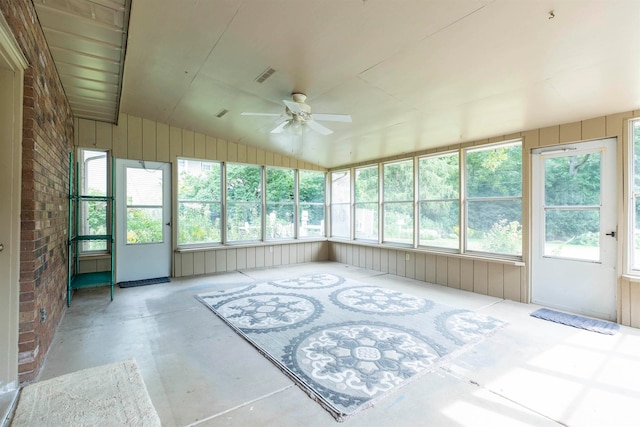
x=629, y=301
x=195, y=263
x=496, y=278
x=142, y=139
x=470, y=273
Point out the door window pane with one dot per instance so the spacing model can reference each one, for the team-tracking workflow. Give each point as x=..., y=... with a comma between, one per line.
x=572, y=206
x=572, y=180
x=572, y=233
x=144, y=206
x=144, y=225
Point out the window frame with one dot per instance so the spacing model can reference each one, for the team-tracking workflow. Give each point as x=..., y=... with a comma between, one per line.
x=420, y=202
x=633, y=233
x=344, y=204
x=466, y=200
x=219, y=203
x=299, y=203
x=260, y=202
x=268, y=203
x=375, y=203
x=83, y=211
x=409, y=203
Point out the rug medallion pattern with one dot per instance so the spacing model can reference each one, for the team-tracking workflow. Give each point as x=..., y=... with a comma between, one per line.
x=346, y=343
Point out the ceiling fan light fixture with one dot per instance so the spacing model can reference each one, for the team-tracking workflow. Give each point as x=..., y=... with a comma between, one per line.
x=300, y=117
x=295, y=127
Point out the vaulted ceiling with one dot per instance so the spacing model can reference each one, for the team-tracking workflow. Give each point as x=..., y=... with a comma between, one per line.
x=413, y=74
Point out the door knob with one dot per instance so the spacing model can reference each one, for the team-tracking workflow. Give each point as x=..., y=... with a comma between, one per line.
x=1, y=247
x=612, y=234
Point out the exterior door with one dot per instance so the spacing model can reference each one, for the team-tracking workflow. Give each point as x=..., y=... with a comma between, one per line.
x=574, y=228
x=143, y=220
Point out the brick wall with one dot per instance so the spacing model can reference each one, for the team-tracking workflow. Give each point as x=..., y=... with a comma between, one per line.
x=47, y=140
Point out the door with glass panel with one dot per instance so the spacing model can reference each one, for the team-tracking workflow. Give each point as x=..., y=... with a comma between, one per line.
x=574, y=228
x=143, y=220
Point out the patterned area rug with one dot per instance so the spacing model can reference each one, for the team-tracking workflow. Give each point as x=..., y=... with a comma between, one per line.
x=346, y=343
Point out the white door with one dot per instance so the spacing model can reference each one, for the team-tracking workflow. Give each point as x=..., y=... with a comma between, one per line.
x=574, y=228
x=143, y=220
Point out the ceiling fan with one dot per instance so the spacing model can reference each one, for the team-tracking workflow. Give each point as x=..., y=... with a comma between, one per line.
x=298, y=115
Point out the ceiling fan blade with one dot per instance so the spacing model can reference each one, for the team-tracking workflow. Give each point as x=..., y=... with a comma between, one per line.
x=332, y=117
x=280, y=127
x=261, y=114
x=293, y=106
x=319, y=128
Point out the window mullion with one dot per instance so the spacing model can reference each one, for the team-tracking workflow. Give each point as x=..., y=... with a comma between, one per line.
x=416, y=216
x=263, y=201
x=352, y=209
x=462, y=211
x=223, y=198
x=296, y=203
x=380, y=203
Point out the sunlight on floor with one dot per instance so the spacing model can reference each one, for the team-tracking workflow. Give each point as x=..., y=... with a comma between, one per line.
x=589, y=379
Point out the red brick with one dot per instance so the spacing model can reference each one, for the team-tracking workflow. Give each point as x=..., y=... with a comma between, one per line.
x=47, y=138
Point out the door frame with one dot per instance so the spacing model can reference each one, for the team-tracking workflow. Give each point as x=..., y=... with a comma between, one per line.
x=12, y=66
x=537, y=234
x=120, y=166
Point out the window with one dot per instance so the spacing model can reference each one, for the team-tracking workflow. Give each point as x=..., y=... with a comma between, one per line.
x=366, y=202
x=244, y=202
x=94, y=219
x=199, y=202
x=493, y=177
x=439, y=201
x=144, y=205
x=634, y=223
x=280, y=203
x=398, y=202
x=311, y=203
x=341, y=204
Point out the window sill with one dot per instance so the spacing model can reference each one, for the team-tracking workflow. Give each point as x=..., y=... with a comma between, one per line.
x=249, y=245
x=635, y=278
x=507, y=261
x=94, y=256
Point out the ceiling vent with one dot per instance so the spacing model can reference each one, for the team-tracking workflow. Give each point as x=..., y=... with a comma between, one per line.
x=265, y=75
x=222, y=113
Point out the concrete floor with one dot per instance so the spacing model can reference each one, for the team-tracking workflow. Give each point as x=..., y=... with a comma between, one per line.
x=200, y=373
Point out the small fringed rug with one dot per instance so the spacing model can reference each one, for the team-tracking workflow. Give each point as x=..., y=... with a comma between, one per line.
x=580, y=322
x=108, y=395
x=346, y=343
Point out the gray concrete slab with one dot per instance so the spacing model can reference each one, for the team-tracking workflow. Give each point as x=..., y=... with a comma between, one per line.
x=201, y=373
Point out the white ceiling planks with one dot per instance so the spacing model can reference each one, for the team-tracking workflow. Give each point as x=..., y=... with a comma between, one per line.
x=87, y=39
